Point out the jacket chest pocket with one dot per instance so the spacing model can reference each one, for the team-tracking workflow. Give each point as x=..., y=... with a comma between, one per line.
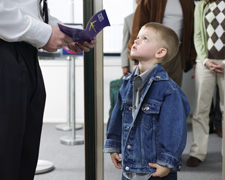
x=150, y=113
x=126, y=109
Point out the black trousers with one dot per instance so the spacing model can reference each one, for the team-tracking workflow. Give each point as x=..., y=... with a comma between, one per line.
x=22, y=100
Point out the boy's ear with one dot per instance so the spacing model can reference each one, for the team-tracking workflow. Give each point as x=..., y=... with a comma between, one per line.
x=161, y=53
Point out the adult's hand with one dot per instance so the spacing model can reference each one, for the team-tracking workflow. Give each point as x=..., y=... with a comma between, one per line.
x=57, y=40
x=82, y=46
x=194, y=68
x=125, y=71
x=211, y=65
x=215, y=66
x=220, y=68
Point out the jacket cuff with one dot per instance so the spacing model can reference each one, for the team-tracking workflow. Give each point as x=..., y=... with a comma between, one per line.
x=169, y=161
x=111, y=150
x=112, y=146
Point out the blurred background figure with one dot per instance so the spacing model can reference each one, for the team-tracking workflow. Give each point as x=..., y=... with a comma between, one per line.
x=209, y=33
x=178, y=15
x=215, y=115
x=126, y=63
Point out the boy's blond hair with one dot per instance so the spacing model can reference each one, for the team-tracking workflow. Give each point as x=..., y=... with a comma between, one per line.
x=168, y=39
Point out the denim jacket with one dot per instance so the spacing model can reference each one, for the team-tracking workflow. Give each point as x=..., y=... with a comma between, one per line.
x=158, y=131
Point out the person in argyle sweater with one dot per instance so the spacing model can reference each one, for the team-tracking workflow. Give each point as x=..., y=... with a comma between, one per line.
x=209, y=40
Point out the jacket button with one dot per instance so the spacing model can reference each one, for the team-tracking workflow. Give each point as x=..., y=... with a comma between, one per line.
x=127, y=168
x=128, y=147
x=127, y=127
x=130, y=108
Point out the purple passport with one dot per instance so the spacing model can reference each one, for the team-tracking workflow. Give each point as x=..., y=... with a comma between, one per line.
x=97, y=22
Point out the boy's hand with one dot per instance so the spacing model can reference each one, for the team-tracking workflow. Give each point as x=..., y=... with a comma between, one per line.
x=116, y=160
x=161, y=171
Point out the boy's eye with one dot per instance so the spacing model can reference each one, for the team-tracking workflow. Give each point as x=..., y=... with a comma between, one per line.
x=145, y=38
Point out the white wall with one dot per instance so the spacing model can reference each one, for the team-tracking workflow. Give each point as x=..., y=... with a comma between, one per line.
x=55, y=73
x=55, y=78
x=67, y=11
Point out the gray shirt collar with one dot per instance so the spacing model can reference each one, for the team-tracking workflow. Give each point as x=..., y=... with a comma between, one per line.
x=145, y=75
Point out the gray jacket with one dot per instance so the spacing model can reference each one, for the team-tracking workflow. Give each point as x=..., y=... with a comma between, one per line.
x=127, y=28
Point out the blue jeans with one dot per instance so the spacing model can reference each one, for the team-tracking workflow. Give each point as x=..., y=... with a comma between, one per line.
x=170, y=176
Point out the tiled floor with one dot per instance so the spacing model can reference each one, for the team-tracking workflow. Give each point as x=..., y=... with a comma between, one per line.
x=69, y=160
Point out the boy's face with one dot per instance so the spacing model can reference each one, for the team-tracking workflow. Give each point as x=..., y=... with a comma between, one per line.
x=146, y=45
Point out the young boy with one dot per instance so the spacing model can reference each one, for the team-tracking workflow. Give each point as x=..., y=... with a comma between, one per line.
x=148, y=123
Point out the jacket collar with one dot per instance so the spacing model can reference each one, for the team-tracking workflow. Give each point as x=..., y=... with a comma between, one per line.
x=159, y=74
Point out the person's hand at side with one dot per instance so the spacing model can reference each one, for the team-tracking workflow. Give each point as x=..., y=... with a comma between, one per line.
x=116, y=160
x=194, y=68
x=125, y=71
x=161, y=171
